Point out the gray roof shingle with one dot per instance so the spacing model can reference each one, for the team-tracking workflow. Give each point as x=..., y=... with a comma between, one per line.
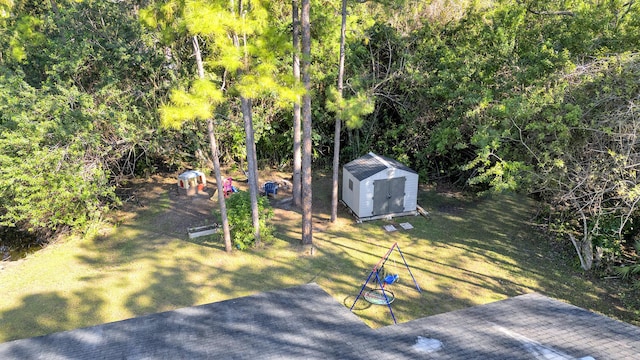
x=304, y=322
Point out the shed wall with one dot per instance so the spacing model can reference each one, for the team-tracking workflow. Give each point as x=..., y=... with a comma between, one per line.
x=351, y=194
x=411, y=192
x=366, y=190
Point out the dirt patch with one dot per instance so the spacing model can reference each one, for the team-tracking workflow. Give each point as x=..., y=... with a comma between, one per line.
x=159, y=196
x=174, y=211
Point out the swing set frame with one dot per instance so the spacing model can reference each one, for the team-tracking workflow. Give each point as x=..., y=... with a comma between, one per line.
x=382, y=280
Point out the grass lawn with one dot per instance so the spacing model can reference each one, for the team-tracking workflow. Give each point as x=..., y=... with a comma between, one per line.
x=466, y=253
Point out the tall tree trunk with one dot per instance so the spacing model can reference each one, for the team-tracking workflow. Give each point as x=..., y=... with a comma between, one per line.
x=297, y=156
x=223, y=205
x=198, y=54
x=336, y=135
x=252, y=164
x=307, y=220
x=214, y=155
x=247, y=116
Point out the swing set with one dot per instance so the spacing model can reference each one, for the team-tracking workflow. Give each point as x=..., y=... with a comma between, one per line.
x=381, y=295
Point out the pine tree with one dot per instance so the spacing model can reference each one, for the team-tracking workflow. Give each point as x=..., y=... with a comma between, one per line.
x=243, y=52
x=297, y=155
x=307, y=221
x=197, y=105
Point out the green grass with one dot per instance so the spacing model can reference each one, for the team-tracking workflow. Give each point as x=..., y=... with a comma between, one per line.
x=468, y=252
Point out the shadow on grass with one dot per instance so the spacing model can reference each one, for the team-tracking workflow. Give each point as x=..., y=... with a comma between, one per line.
x=49, y=312
x=481, y=252
x=211, y=241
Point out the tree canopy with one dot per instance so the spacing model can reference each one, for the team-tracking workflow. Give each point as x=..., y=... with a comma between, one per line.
x=536, y=96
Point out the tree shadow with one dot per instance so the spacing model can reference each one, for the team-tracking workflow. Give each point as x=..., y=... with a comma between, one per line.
x=40, y=314
x=153, y=270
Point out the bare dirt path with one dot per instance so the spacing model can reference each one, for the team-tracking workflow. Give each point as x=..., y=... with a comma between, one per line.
x=174, y=212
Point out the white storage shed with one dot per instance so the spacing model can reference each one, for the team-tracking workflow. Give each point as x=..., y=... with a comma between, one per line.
x=375, y=186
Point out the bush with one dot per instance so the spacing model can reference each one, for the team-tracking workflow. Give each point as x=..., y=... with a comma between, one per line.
x=239, y=214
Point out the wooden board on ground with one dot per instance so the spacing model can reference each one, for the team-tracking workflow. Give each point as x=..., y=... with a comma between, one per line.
x=202, y=231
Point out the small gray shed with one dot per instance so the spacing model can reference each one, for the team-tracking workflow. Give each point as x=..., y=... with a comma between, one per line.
x=375, y=186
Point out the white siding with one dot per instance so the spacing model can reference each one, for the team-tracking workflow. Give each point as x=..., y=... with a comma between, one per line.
x=350, y=196
x=411, y=192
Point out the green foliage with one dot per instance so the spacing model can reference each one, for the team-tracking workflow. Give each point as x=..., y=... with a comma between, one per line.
x=79, y=87
x=513, y=96
x=351, y=110
x=608, y=237
x=494, y=94
x=25, y=34
x=249, y=42
x=577, y=135
x=49, y=178
x=197, y=104
x=628, y=271
x=239, y=213
x=441, y=84
x=244, y=53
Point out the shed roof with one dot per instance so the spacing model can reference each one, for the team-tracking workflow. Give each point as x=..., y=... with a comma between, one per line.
x=371, y=164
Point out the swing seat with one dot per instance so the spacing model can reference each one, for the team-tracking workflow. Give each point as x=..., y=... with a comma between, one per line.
x=390, y=279
x=379, y=297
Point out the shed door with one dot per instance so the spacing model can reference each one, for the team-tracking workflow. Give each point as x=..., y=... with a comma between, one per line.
x=388, y=196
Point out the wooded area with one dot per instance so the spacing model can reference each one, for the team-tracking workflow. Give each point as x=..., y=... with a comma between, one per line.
x=536, y=96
